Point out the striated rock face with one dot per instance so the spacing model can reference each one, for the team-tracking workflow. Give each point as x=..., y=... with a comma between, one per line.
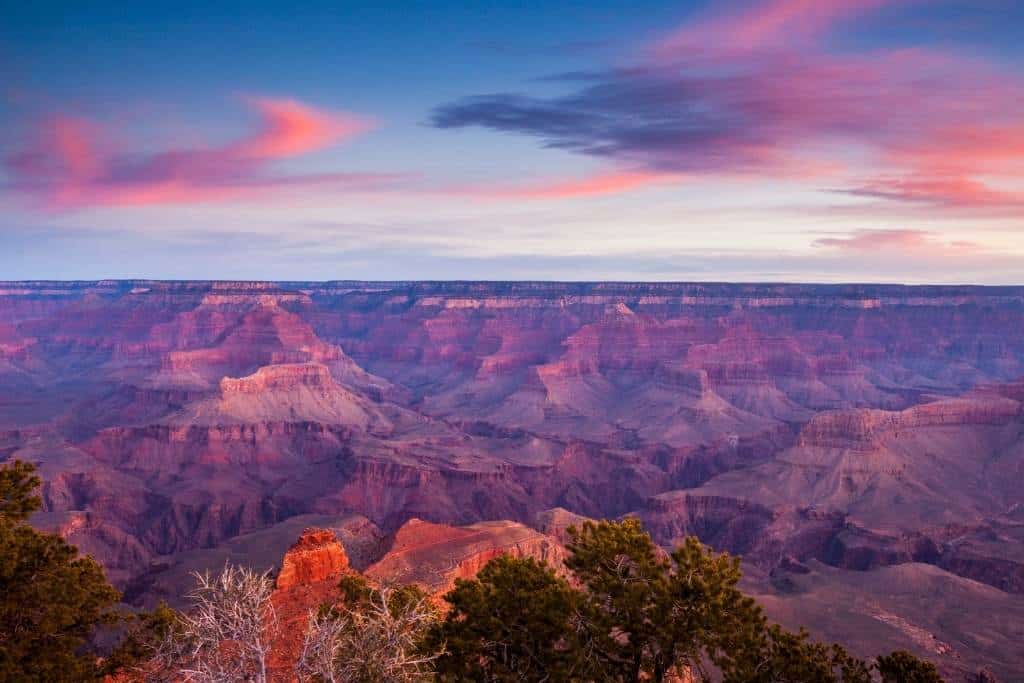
x=728, y=523
x=288, y=392
x=309, y=576
x=434, y=555
x=279, y=377
x=860, y=429
x=316, y=556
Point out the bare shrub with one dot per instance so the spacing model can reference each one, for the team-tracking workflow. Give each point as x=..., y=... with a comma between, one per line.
x=378, y=640
x=226, y=636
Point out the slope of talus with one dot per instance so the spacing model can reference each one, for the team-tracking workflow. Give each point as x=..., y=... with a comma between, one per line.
x=866, y=488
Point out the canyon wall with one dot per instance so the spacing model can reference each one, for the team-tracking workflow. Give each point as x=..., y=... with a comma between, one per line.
x=863, y=428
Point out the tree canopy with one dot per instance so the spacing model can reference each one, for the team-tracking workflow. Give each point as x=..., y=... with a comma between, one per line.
x=903, y=667
x=51, y=599
x=516, y=621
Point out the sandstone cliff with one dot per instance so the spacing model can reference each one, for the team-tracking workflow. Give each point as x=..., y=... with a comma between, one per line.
x=434, y=555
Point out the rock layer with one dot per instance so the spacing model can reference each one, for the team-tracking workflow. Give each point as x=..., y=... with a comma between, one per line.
x=316, y=556
x=433, y=556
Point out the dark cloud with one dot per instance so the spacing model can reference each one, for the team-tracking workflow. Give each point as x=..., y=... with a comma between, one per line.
x=660, y=117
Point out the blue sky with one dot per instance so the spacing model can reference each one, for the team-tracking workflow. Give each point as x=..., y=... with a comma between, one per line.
x=837, y=140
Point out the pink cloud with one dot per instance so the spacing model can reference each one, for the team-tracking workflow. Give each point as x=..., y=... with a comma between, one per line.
x=956, y=191
x=773, y=23
x=606, y=183
x=935, y=127
x=900, y=241
x=968, y=149
x=291, y=128
x=71, y=162
x=64, y=148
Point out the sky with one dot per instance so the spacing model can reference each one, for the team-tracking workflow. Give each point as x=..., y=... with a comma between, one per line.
x=725, y=140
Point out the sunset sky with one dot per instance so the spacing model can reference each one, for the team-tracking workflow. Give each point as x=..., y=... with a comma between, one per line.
x=796, y=140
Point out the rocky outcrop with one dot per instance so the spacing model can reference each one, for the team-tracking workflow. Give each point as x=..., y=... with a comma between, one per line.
x=309, y=576
x=556, y=523
x=434, y=555
x=982, y=676
x=865, y=429
x=294, y=392
x=316, y=556
x=279, y=377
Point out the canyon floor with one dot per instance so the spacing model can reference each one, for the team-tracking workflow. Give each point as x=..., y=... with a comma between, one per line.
x=861, y=447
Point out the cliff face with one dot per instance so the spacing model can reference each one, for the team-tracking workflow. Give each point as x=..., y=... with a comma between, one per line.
x=308, y=578
x=866, y=429
x=433, y=556
x=860, y=426
x=317, y=556
x=863, y=488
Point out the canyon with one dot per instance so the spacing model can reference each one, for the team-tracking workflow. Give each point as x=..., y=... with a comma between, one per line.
x=860, y=446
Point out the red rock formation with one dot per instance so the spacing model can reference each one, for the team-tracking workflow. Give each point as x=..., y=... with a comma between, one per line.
x=316, y=556
x=434, y=555
x=429, y=555
x=309, y=576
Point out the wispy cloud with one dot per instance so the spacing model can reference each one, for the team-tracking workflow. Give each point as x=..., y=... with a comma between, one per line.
x=920, y=242
x=320, y=257
x=772, y=23
x=594, y=185
x=72, y=162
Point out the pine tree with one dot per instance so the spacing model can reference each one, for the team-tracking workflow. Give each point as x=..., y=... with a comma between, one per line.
x=779, y=656
x=144, y=634
x=650, y=614
x=902, y=667
x=513, y=622
x=51, y=600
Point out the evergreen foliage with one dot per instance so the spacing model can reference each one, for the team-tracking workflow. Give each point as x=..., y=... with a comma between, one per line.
x=51, y=599
x=516, y=621
x=652, y=614
x=903, y=667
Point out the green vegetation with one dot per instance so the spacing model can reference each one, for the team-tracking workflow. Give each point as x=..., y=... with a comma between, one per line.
x=648, y=614
x=144, y=634
x=51, y=600
x=903, y=667
x=516, y=621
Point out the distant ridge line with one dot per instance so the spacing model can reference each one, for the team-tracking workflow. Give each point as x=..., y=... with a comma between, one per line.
x=471, y=293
